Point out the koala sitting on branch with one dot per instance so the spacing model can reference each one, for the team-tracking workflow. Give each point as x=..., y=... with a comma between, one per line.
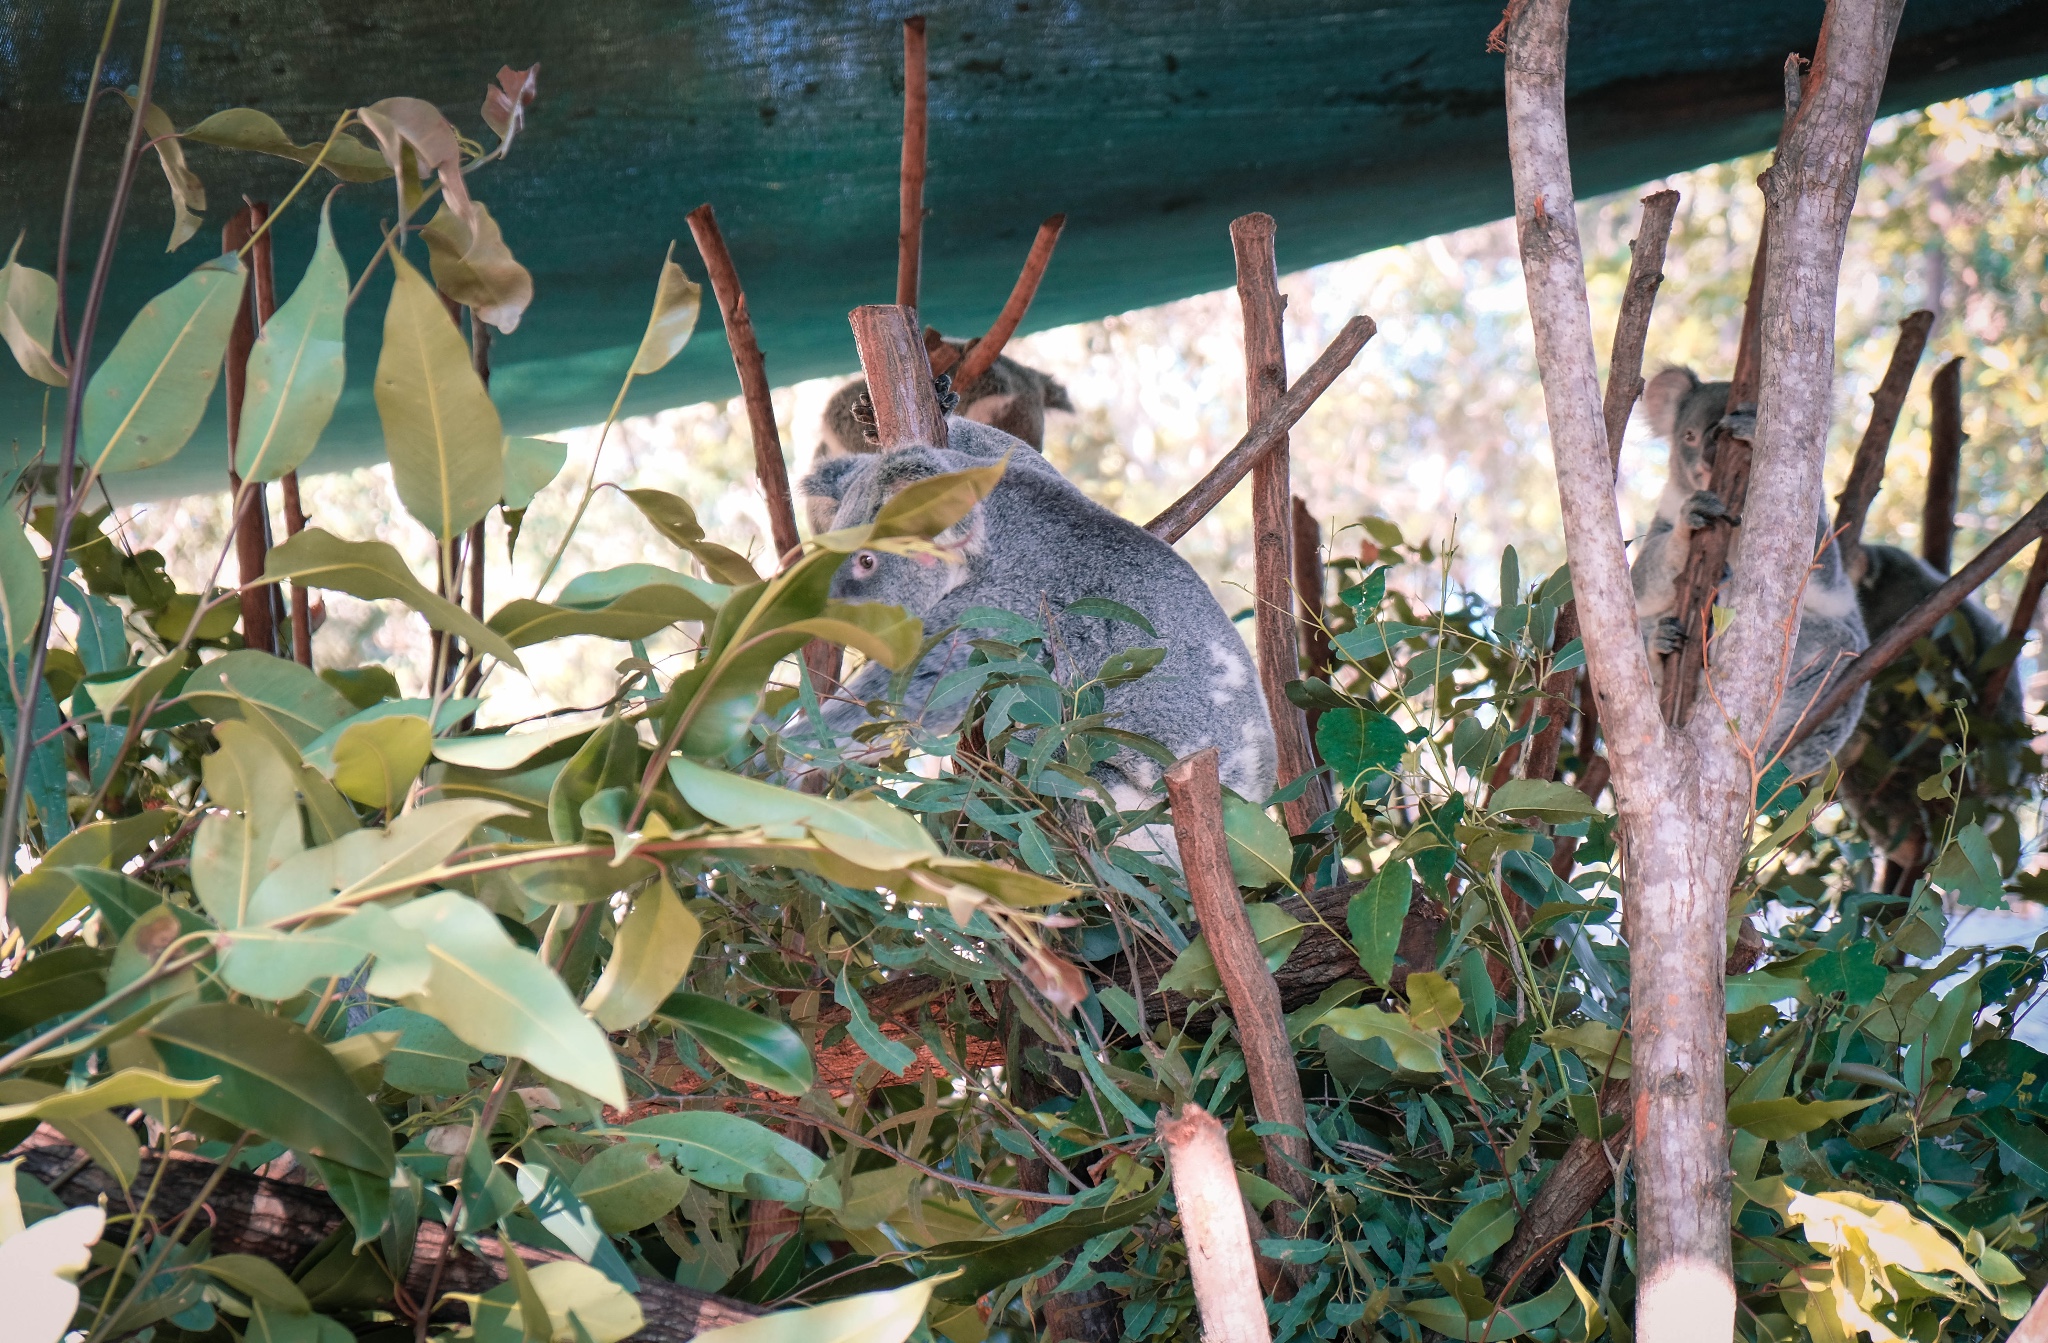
x=1687, y=414
x=1032, y=547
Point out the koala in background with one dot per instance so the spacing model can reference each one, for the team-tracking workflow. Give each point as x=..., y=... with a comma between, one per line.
x=1037, y=543
x=1685, y=412
x=1009, y=397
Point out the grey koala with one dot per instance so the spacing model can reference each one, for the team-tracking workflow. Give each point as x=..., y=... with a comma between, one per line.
x=1009, y=397
x=1686, y=412
x=1033, y=546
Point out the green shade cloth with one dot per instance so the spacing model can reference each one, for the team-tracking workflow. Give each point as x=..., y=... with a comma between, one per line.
x=1150, y=123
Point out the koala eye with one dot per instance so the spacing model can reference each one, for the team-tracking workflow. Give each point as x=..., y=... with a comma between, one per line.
x=1692, y=438
x=865, y=563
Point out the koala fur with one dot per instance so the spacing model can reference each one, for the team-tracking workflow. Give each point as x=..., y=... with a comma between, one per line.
x=1009, y=397
x=1686, y=412
x=1034, y=545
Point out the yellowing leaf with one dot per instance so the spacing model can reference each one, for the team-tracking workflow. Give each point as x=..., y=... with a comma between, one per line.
x=473, y=266
x=375, y=762
x=374, y=570
x=188, y=193
x=582, y=1304
x=297, y=369
x=650, y=954
x=21, y=586
x=441, y=431
x=39, y=1265
x=122, y=1090
x=1884, y=1234
x=145, y=401
x=245, y=128
x=1433, y=1001
x=871, y=1317
x=1413, y=1049
x=677, y=300
x=28, y=318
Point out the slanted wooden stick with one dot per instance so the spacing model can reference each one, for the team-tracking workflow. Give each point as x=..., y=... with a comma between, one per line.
x=899, y=377
x=1632, y=327
x=264, y=277
x=982, y=356
x=1183, y=513
x=1866, y=473
x=1212, y=1220
x=1196, y=797
x=251, y=522
x=1279, y=646
x=1707, y=556
x=2022, y=624
x=1925, y=616
x=753, y=370
x=1944, y=465
x=916, y=126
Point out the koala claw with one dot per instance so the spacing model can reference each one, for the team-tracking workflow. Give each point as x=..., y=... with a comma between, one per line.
x=1704, y=507
x=1668, y=637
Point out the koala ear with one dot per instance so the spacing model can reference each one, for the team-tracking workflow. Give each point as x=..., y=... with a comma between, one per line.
x=1055, y=394
x=988, y=410
x=827, y=480
x=1662, y=398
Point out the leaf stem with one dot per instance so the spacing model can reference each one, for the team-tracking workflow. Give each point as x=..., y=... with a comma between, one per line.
x=64, y=220
x=299, y=185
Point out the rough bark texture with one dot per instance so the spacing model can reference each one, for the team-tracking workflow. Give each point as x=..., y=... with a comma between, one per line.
x=1632, y=327
x=1944, y=465
x=981, y=356
x=1197, y=802
x=899, y=375
x=1212, y=1220
x=1268, y=433
x=252, y=522
x=1308, y=585
x=752, y=368
x=1582, y=1176
x=283, y=1223
x=1278, y=646
x=1866, y=472
x=910, y=204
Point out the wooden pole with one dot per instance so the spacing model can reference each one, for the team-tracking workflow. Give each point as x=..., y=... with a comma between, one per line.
x=899, y=376
x=1196, y=799
x=1866, y=473
x=916, y=127
x=2022, y=624
x=1183, y=513
x=251, y=522
x=1308, y=583
x=1944, y=465
x=747, y=360
x=981, y=357
x=1274, y=628
x=1213, y=1223
x=1707, y=557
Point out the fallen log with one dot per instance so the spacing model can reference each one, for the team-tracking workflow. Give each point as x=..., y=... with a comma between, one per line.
x=283, y=1223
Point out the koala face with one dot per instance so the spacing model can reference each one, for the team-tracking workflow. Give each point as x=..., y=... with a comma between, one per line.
x=849, y=491
x=1683, y=411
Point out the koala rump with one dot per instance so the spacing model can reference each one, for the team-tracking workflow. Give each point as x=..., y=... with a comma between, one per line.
x=1035, y=545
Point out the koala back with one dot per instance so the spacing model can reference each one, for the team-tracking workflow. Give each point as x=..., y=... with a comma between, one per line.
x=1035, y=546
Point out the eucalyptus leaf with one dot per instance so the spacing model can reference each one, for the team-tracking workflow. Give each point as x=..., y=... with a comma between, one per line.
x=296, y=369
x=446, y=446
x=373, y=571
x=651, y=951
x=28, y=318
x=146, y=400
x=677, y=300
x=748, y=1045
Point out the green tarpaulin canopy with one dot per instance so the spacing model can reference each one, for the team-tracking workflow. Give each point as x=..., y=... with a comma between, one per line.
x=1151, y=123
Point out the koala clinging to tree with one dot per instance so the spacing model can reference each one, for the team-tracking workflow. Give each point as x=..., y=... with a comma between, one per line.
x=1035, y=545
x=1686, y=413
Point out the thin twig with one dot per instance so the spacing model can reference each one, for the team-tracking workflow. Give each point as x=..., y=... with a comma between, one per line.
x=753, y=372
x=982, y=356
x=1183, y=513
x=70, y=211
x=2022, y=624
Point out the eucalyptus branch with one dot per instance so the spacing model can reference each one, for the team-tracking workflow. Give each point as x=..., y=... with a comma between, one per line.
x=69, y=212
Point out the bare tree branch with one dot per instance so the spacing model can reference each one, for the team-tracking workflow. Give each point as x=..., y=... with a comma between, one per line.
x=1212, y=1219
x=982, y=355
x=1944, y=465
x=1866, y=473
x=916, y=126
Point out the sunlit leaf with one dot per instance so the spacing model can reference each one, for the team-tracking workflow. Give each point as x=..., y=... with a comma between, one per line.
x=233, y=854
x=630, y=602
x=733, y=1154
x=677, y=299
x=731, y=799
x=581, y=1303
x=41, y=1264
x=441, y=431
x=677, y=521
x=375, y=571
x=871, y=1317
x=473, y=266
x=498, y=996
x=1414, y=1049
x=376, y=762
x=146, y=400
x=245, y=128
x=881, y=633
x=1788, y=1116
x=275, y=965
x=1261, y=854
x=276, y=1080
x=506, y=750
x=413, y=844
x=122, y=1090
x=265, y=691
x=629, y=1185
x=651, y=951
x=531, y=464
x=1433, y=1001
x=748, y=1045
x=297, y=368
x=28, y=318
x=1600, y=1047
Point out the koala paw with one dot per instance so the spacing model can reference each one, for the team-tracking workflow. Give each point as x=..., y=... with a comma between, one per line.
x=1668, y=637
x=1702, y=508
x=1739, y=423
